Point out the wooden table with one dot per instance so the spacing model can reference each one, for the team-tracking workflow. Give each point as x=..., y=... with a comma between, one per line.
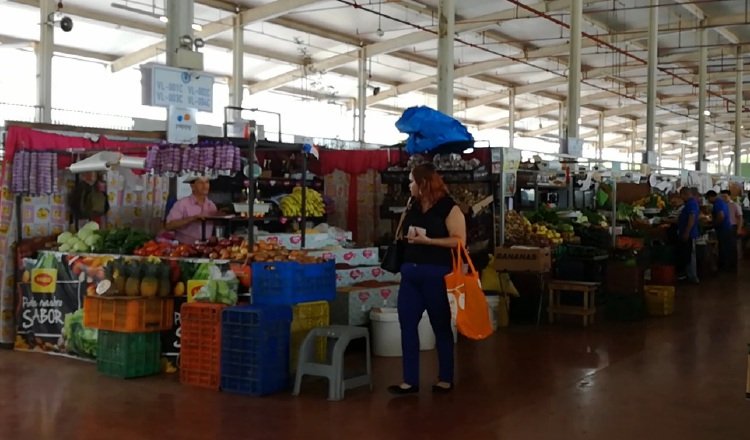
x=587, y=311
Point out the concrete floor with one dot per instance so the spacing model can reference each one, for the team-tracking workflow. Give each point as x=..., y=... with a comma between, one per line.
x=677, y=377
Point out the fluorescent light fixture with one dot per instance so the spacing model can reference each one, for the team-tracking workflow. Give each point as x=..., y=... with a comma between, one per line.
x=707, y=112
x=413, y=3
x=161, y=17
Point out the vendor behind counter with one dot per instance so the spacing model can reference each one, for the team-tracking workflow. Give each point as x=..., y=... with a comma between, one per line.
x=187, y=213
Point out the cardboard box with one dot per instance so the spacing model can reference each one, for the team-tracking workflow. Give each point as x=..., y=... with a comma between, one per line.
x=312, y=241
x=350, y=277
x=352, y=257
x=523, y=259
x=352, y=305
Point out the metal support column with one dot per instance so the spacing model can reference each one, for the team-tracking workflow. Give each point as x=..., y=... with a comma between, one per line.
x=179, y=24
x=238, y=62
x=702, y=77
x=446, y=34
x=511, y=117
x=739, y=104
x=660, y=137
x=633, y=136
x=574, y=68
x=362, y=94
x=44, y=50
x=601, y=135
x=653, y=49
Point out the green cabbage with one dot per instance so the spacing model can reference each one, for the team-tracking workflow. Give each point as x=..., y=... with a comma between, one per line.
x=91, y=226
x=79, y=339
x=64, y=237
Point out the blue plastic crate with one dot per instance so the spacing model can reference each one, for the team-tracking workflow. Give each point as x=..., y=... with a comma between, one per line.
x=290, y=282
x=255, y=349
x=256, y=315
x=260, y=385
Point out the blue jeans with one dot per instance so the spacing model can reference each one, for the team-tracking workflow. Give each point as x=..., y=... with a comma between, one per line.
x=423, y=288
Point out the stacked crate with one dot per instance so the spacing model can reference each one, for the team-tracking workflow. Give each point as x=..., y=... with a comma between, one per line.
x=305, y=317
x=129, y=342
x=255, y=349
x=200, y=344
x=305, y=290
x=659, y=300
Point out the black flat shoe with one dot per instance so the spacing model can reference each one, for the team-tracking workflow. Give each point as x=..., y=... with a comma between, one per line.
x=397, y=390
x=442, y=390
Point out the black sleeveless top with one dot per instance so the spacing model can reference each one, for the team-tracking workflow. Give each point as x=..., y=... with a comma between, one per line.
x=434, y=222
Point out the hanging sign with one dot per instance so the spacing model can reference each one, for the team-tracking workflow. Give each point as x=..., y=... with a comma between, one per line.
x=181, y=125
x=163, y=86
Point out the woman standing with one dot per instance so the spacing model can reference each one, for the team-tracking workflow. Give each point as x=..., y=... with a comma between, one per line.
x=435, y=225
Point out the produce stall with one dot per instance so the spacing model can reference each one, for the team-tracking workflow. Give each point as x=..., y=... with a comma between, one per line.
x=601, y=225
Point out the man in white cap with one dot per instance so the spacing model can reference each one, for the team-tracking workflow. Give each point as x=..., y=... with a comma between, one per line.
x=186, y=214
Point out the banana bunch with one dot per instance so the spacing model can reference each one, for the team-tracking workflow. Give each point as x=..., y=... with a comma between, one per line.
x=291, y=205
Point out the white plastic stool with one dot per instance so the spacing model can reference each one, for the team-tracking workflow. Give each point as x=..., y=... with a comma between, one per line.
x=334, y=371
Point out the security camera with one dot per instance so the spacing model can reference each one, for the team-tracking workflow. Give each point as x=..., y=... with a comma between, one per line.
x=66, y=23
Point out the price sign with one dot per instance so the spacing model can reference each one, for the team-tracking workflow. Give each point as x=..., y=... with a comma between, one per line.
x=163, y=86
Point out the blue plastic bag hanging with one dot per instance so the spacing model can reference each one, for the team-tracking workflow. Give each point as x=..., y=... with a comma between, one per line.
x=429, y=129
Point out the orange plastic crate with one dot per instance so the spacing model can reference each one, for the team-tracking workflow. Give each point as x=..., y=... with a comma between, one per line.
x=128, y=315
x=200, y=344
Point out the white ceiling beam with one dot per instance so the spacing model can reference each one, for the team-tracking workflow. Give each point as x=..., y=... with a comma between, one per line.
x=8, y=42
x=535, y=112
x=476, y=68
x=411, y=39
x=627, y=125
x=469, y=70
x=700, y=15
x=98, y=17
x=459, y=72
x=210, y=30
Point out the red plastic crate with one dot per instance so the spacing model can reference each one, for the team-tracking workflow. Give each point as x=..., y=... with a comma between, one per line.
x=200, y=344
x=128, y=315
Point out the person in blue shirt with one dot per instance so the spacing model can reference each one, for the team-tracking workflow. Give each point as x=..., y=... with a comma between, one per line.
x=687, y=230
x=723, y=226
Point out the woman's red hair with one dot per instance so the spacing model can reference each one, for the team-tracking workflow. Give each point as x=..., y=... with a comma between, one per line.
x=431, y=186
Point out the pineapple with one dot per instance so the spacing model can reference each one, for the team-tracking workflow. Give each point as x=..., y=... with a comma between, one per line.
x=165, y=283
x=133, y=282
x=118, y=277
x=150, y=281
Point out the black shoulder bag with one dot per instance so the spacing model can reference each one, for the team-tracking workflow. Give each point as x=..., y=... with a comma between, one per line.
x=394, y=255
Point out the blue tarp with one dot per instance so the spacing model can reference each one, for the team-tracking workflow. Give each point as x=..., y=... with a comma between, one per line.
x=429, y=129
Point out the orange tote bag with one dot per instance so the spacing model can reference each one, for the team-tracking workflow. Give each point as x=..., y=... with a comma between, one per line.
x=472, y=316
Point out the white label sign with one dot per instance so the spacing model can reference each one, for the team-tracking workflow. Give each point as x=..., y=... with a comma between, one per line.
x=181, y=125
x=163, y=86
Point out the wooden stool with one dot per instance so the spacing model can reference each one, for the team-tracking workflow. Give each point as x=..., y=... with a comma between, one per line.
x=587, y=311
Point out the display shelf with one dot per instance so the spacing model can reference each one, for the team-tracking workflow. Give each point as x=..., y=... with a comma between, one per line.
x=250, y=146
x=477, y=175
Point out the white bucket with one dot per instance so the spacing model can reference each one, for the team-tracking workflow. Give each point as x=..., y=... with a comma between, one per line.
x=386, y=332
x=493, y=302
